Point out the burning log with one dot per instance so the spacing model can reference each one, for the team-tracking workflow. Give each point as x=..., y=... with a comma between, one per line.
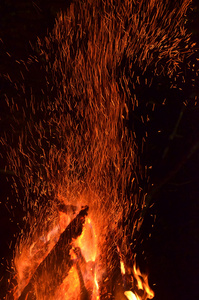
x=55, y=267
x=84, y=295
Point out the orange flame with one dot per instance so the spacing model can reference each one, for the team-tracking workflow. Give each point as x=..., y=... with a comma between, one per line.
x=87, y=242
x=142, y=281
x=130, y=295
x=83, y=274
x=142, y=285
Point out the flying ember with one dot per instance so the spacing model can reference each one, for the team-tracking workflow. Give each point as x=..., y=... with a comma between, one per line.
x=78, y=157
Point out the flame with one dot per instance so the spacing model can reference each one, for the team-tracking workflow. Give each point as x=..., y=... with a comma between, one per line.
x=68, y=291
x=122, y=267
x=87, y=242
x=142, y=286
x=95, y=295
x=142, y=281
x=83, y=274
x=130, y=295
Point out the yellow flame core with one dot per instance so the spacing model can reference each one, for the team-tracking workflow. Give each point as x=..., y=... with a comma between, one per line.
x=142, y=282
x=87, y=242
x=130, y=295
x=122, y=267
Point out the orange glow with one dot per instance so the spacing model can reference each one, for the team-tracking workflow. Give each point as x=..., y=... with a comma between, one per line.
x=122, y=267
x=87, y=242
x=130, y=295
x=68, y=291
x=83, y=273
x=142, y=281
x=95, y=295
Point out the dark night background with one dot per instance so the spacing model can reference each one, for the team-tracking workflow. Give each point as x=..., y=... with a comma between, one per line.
x=171, y=253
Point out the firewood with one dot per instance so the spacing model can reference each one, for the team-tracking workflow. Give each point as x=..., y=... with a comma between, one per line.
x=55, y=267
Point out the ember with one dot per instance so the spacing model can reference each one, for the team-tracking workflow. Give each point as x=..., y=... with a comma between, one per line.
x=78, y=150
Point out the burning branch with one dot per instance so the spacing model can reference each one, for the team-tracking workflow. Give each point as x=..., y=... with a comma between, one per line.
x=55, y=267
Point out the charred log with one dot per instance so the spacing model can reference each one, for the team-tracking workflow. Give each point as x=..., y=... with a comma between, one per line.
x=55, y=267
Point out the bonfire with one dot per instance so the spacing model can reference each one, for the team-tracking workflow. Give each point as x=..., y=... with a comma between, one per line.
x=78, y=158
